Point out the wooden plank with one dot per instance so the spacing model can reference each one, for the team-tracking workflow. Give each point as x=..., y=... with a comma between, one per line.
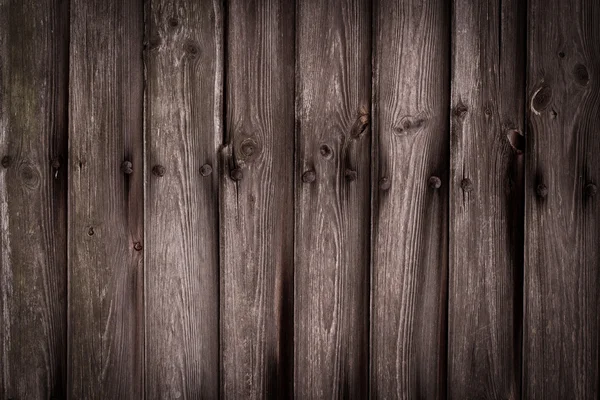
x=106, y=200
x=486, y=199
x=410, y=195
x=331, y=299
x=33, y=198
x=257, y=214
x=562, y=274
x=185, y=61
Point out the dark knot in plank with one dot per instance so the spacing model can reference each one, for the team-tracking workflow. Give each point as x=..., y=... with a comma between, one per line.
x=6, y=160
x=541, y=190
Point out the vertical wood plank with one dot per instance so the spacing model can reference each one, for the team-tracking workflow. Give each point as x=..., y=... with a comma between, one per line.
x=105, y=200
x=257, y=214
x=185, y=61
x=562, y=274
x=33, y=194
x=331, y=300
x=486, y=197
x=410, y=195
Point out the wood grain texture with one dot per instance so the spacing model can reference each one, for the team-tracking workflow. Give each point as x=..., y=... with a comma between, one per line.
x=409, y=231
x=562, y=274
x=105, y=204
x=184, y=95
x=333, y=72
x=33, y=195
x=486, y=197
x=257, y=214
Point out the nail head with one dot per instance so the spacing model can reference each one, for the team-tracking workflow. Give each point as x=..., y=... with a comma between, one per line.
x=159, y=170
x=541, y=190
x=466, y=185
x=137, y=246
x=205, y=170
x=127, y=167
x=435, y=182
x=309, y=176
x=6, y=161
x=236, y=174
x=384, y=183
x=590, y=190
x=351, y=175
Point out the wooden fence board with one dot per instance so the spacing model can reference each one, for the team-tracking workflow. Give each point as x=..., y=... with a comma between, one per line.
x=184, y=105
x=105, y=202
x=257, y=214
x=333, y=70
x=562, y=274
x=33, y=193
x=410, y=194
x=486, y=199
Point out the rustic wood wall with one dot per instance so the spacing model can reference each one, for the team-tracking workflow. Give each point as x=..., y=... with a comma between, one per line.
x=310, y=199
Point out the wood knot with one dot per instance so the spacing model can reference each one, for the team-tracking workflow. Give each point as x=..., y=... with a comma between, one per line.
x=516, y=140
x=205, y=170
x=159, y=170
x=137, y=246
x=173, y=22
x=309, y=176
x=581, y=74
x=191, y=48
x=6, y=160
x=590, y=190
x=541, y=190
x=541, y=99
x=236, y=174
x=466, y=185
x=350, y=175
x=409, y=125
x=30, y=176
x=249, y=149
x=435, y=182
x=460, y=111
x=127, y=167
x=91, y=231
x=561, y=54
x=385, y=183
x=326, y=151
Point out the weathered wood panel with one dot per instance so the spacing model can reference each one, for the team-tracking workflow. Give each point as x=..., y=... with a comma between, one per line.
x=33, y=247
x=562, y=274
x=184, y=95
x=106, y=200
x=410, y=195
x=333, y=69
x=257, y=214
x=486, y=198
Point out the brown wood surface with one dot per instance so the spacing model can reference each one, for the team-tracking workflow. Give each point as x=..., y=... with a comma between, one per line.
x=33, y=194
x=562, y=259
x=486, y=197
x=105, y=204
x=184, y=120
x=333, y=89
x=410, y=194
x=257, y=214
